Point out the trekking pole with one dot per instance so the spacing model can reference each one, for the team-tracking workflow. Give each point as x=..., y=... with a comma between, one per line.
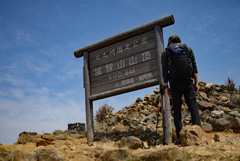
x=162, y=108
x=159, y=109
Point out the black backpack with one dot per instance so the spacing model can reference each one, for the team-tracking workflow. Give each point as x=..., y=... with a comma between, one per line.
x=179, y=62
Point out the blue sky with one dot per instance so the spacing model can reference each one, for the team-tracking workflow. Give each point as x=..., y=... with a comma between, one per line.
x=41, y=82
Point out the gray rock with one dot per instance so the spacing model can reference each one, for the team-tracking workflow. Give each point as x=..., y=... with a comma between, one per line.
x=126, y=122
x=233, y=113
x=139, y=100
x=235, y=99
x=219, y=138
x=207, y=127
x=112, y=155
x=135, y=143
x=59, y=137
x=236, y=123
x=139, y=131
x=156, y=91
x=111, y=120
x=131, y=142
x=217, y=114
x=150, y=117
x=48, y=155
x=56, y=132
x=221, y=124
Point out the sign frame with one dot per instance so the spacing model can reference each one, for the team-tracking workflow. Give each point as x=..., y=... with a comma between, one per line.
x=90, y=67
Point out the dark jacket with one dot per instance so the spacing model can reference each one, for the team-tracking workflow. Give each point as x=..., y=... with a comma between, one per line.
x=165, y=59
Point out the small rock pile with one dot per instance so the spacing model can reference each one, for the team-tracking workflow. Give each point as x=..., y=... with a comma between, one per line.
x=36, y=139
x=219, y=110
x=79, y=127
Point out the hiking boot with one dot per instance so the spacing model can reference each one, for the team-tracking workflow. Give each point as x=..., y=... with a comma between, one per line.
x=178, y=142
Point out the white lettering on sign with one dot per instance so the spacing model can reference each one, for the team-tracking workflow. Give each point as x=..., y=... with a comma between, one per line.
x=146, y=76
x=144, y=41
x=127, y=47
x=130, y=71
x=119, y=49
x=121, y=74
x=97, y=58
x=121, y=64
x=109, y=67
x=132, y=60
x=98, y=71
x=146, y=56
x=105, y=55
x=127, y=81
x=135, y=44
x=123, y=48
x=112, y=52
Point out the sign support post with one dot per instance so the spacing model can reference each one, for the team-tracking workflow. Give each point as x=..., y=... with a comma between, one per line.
x=89, y=103
x=166, y=114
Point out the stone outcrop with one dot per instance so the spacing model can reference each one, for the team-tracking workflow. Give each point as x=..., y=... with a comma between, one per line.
x=218, y=107
x=79, y=127
x=47, y=138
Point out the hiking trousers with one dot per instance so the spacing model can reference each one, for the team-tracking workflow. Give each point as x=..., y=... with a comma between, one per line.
x=184, y=88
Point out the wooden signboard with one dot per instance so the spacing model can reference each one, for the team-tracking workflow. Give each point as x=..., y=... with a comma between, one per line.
x=122, y=63
x=119, y=66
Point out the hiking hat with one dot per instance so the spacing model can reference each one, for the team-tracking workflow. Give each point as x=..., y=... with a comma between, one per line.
x=174, y=38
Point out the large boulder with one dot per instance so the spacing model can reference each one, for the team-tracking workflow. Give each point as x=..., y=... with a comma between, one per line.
x=220, y=124
x=131, y=142
x=115, y=155
x=48, y=155
x=194, y=135
x=168, y=153
x=26, y=137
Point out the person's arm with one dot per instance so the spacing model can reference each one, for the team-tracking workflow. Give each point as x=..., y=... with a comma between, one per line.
x=165, y=72
x=195, y=77
x=195, y=72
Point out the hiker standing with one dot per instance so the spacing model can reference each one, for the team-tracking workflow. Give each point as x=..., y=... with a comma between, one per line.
x=180, y=69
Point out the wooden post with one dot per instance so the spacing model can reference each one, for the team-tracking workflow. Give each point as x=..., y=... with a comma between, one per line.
x=88, y=102
x=166, y=115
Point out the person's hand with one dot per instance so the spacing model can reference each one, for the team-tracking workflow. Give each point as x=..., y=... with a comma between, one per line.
x=196, y=88
x=168, y=91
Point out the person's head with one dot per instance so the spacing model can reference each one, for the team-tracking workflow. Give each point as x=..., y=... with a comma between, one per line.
x=174, y=39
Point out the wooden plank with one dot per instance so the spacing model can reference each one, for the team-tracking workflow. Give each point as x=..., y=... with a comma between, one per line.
x=167, y=124
x=163, y=22
x=129, y=88
x=131, y=71
x=88, y=102
x=123, y=63
x=122, y=49
x=125, y=82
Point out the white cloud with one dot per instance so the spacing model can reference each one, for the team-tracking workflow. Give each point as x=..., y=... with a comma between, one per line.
x=34, y=110
x=23, y=37
x=201, y=24
x=14, y=80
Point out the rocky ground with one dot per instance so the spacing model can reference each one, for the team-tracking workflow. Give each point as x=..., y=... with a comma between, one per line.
x=130, y=134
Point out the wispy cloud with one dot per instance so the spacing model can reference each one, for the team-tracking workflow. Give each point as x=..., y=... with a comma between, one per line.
x=14, y=80
x=23, y=37
x=39, y=109
x=201, y=24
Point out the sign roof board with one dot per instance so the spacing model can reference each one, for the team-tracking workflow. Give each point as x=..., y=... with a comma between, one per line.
x=162, y=22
